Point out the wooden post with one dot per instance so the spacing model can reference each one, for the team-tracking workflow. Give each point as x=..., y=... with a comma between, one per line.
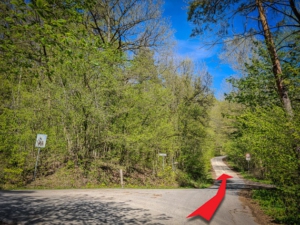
x=121, y=175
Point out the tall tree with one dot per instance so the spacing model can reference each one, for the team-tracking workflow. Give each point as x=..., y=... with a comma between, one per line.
x=262, y=128
x=129, y=24
x=277, y=71
x=208, y=15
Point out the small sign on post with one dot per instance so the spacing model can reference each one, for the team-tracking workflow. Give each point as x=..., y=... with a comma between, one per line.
x=39, y=143
x=248, y=157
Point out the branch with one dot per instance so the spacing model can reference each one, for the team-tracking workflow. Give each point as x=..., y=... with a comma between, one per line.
x=282, y=12
x=294, y=9
x=97, y=26
x=291, y=34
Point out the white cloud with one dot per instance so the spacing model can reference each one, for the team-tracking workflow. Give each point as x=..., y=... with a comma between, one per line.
x=194, y=50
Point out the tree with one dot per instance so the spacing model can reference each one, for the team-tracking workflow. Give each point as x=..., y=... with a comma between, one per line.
x=129, y=25
x=102, y=108
x=238, y=53
x=277, y=71
x=262, y=129
x=206, y=14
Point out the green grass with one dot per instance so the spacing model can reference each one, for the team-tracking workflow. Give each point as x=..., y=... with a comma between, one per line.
x=246, y=175
x=63, y=180
x=249, y=176
x=270, y=202
x=277, y=203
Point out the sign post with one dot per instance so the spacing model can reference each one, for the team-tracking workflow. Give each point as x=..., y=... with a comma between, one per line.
x=39, y=143
x=248, y=159
x=174, y=164
x=163, y=155
x=121, y=176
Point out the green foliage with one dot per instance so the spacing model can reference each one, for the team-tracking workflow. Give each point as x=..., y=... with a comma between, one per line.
x=270, y=202
x=264, y=130
x=274, y=204
x=271, y=139
x=265, y=119
x=101, y=109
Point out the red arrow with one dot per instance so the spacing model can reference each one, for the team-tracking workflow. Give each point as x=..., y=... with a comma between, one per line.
x=208, y=209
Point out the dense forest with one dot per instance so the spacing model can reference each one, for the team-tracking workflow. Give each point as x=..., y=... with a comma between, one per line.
x=101, y=80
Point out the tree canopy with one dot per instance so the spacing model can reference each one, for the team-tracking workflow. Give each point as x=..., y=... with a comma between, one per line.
x=85, y=74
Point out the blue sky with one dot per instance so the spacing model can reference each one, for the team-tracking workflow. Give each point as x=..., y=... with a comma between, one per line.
x=193, y=47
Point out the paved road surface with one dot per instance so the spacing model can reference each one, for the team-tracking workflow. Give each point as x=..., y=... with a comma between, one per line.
x=124, y=206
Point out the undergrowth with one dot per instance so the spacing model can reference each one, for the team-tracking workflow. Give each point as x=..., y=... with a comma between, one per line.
x=108, y=176
x=280, y=203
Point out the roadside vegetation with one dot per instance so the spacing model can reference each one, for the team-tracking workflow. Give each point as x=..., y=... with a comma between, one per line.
x=268, y=197
x=261, y=127
x=100, y=79
x=261, y=108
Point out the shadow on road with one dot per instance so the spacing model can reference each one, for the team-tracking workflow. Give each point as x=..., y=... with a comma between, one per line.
x=240, y=184
x=23, y=208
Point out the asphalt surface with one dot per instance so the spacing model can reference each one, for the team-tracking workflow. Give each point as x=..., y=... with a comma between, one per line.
x=125, y=206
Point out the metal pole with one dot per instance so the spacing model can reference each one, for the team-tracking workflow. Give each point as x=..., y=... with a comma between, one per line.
x=36, y=164
x=173, y=164
x=248, y=166
x=163, y=162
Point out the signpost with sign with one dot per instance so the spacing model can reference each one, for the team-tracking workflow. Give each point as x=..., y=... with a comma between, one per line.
x=39, y=143
x=248, y=159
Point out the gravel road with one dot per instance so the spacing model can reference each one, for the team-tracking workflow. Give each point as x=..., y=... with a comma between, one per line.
x=125, y=206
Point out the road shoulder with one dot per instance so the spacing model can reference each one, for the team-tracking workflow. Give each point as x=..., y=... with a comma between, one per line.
x=245, y=196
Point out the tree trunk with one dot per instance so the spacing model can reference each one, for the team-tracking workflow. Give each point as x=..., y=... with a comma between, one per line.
x=281, y=88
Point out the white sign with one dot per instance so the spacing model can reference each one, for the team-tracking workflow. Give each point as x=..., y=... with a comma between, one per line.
x=41, y=141
x=162, y=154
x=248, y=157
